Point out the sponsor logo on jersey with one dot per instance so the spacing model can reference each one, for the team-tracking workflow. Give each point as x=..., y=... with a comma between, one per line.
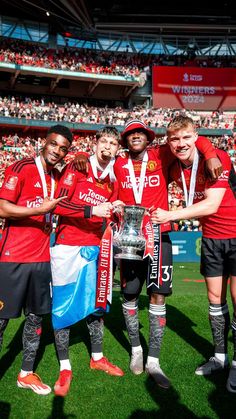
x=90, y=179
x=11, y=183
x=150, y=181
x=35, y=203
x=37, y=185
x=154, y=180
x=69, y=179
x=92, y=197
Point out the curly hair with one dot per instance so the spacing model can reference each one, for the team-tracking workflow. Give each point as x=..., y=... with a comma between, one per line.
x=61, y=130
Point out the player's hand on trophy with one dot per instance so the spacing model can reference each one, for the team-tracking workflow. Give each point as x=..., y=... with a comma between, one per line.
x=48, y=204
x=150, y=210
x=214, y=167
x=118, y=205
x=102, y=210
x=81, y=162
x=159, y=216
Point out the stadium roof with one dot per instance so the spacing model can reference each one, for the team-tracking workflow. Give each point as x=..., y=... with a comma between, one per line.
x=110, y=16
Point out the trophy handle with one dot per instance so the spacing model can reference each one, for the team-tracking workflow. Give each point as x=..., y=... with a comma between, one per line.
x=118, y=209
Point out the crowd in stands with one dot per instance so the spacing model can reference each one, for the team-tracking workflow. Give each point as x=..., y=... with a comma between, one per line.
x=42, y=109
x=69, y=59
x=14, y=147
x=129, y=65
x=126, y=64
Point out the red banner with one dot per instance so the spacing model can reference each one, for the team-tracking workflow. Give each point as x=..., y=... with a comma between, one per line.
x=105, y=272
x=194, y=88
x=149, y=236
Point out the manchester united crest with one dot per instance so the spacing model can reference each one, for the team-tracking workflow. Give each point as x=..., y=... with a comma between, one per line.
x=152, y=165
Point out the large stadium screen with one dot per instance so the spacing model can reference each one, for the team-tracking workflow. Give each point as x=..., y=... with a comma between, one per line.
x=194, y=88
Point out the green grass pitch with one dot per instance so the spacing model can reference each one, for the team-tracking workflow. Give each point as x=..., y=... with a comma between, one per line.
x=187, y=343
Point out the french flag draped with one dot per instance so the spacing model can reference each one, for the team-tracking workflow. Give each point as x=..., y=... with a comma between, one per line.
x=74, y=273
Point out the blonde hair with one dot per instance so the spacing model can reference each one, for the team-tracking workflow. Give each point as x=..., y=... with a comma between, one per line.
x=179, y=122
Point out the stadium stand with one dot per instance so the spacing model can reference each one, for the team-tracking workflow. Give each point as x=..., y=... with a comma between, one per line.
x=85, y=79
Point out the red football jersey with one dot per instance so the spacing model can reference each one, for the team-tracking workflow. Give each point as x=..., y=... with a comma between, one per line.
x=222, y=224
x=82, y=190
x=155, y=190
x=24, y=240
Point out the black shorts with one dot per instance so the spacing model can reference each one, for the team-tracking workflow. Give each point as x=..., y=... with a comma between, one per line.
x=218, y=257
x=24, y=286
x=134, y=272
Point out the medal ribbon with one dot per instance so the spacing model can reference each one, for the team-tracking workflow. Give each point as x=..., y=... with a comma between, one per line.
x=44, y=184
x=107, y=171
x=190, y=196
x=138, y=187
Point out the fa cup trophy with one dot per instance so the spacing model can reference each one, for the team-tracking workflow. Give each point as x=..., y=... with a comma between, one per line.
x=129, y=238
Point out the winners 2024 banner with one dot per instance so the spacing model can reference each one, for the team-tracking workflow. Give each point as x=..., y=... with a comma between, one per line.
x=194, y=88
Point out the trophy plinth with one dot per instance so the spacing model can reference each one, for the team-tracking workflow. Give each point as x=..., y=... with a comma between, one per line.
x=129, y=239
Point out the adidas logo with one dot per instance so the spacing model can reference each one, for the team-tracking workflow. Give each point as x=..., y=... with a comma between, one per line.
x=90, y=179
x=125, y=166
x=37, y=185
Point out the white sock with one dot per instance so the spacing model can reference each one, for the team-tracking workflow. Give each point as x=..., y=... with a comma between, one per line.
x=234, y=364
x=221, y=357
x=152, y=360
x=97, y=356
x=136, y=349
x=24, y=373
x=65, y=364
